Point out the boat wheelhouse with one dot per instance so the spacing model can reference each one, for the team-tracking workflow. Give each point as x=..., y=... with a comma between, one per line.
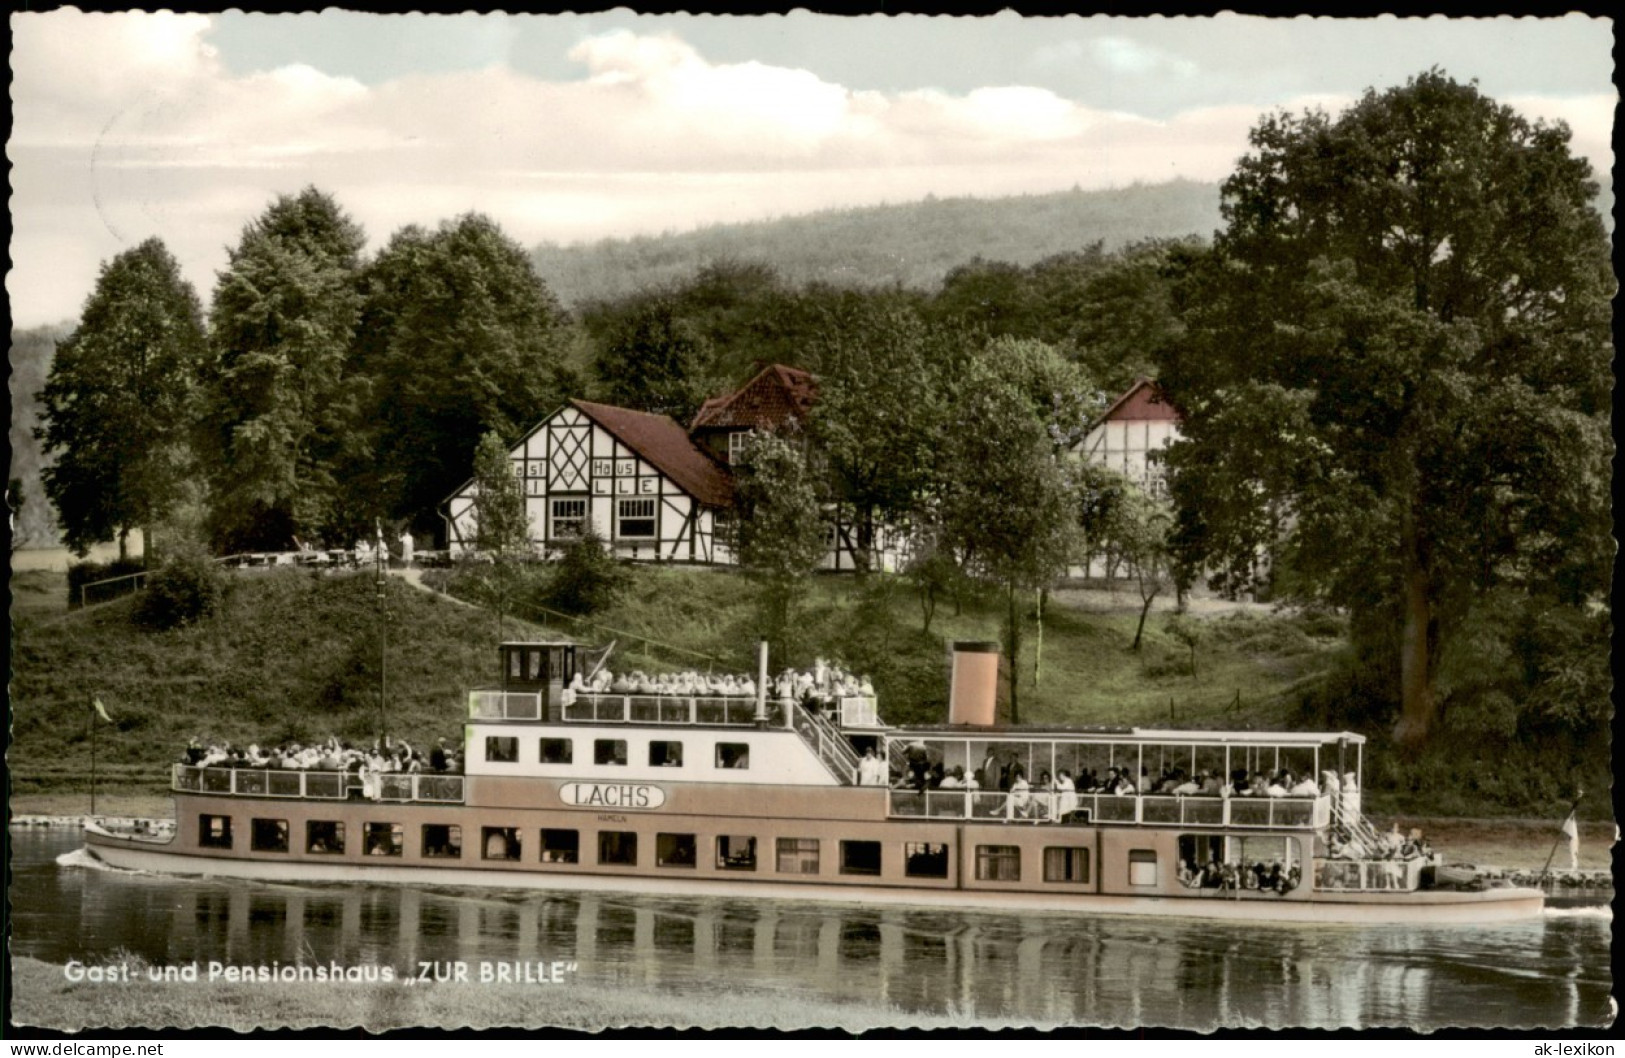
x=567, y=787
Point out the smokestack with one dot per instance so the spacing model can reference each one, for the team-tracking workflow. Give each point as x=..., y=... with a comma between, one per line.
x=761, y=683
x=974, y=689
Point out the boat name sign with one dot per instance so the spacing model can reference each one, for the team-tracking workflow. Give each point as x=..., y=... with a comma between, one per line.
x=636, y=796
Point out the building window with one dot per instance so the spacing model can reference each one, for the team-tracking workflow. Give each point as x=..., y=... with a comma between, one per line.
x=501, y=749
x=635, y=519
x=665, y=754
x=569, y=519
x=736, y=853
x=556, y=751
x=382, y=839
x=1066, y=864
x=609, y=751
x=1142, y=867
x=860, y=857
x=798, y=855
x=998, y=863
x=738, y=442
x=618, y=847
x=324, y=837
x=500, y=843
x=925, y=860
x=268, y=835
x=442, y=841
x=214, y=832
x=675, y=850
x=561, y=846
x=733, y=755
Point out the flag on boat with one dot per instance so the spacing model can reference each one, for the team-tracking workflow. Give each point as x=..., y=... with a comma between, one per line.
x=1571, y=830
x=101, y=710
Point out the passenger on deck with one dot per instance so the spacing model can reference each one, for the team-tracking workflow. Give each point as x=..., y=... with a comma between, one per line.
x=871, y=769
x=1277, y=786
x=1066, y=796
x=953, y=780
x=1304, y=787
x=1188, y=788
x=437, y=756
x=1019, y=803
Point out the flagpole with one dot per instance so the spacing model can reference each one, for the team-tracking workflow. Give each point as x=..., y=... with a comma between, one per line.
x=1574, y=808
x=93, y=756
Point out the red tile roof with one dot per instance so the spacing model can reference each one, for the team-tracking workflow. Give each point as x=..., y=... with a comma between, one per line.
x=665, y=445
x=776, y=396
x=1140, y=402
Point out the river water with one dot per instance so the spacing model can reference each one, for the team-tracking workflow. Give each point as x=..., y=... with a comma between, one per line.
x=1044, y=969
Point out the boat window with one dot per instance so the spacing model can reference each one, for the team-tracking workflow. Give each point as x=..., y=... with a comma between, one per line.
x=442, y=841
x=324, y=837
x=609, y=751
x=733, y=755
x=925, y=860
x=736, y=852
x=998, y=863
x=214, y=832
x=268, y=835
x=860, y=857
x=636, y=519
x=557, y=751
x=1202, y=862
x=500, y=843
x=1066, y=864
x=501, y=749
x=561, y=846
x=618, y=847
x=1142, y=867
x=798, y=855
x=665, y=754
x=675, y=850
x=382, y=839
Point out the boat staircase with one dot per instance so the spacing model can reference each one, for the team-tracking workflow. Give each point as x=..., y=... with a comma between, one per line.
x=826, y=740
x=1357, y=826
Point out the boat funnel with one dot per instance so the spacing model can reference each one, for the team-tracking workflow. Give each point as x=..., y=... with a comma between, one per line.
x=973, y=693
x=761, y=684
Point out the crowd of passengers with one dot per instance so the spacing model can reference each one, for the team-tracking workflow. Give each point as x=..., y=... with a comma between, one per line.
x=922, y=773
x=334, y=754
x=816, y=687
x=1232, y=876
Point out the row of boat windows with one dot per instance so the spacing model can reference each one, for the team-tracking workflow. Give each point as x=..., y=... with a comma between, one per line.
x=619, y=848
x=504, y=749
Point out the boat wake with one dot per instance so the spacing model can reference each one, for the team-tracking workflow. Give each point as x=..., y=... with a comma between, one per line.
x=1593, y=911
x=82, y=858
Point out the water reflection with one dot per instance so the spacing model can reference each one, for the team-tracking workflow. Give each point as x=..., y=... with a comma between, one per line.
x=1044, y=968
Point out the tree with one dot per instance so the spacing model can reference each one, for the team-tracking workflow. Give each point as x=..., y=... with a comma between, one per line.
x=458, y=337
x=118, y=400
x=780, y=530
x=1006, y=503
x=587, y=578
x=501, y=524
x=652, y=358
x=1138, y=533
x=882, y=402
x=1396, y=370
x=279, y=410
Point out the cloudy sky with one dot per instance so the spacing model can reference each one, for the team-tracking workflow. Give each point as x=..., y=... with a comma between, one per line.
x=569, y=128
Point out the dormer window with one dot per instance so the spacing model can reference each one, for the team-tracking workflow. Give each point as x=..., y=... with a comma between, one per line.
x=738, y=441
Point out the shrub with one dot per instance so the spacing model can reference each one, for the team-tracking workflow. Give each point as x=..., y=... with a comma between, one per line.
x=587, y=578
x=185, y=590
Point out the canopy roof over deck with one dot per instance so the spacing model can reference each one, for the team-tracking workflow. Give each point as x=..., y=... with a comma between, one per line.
x=1121, y=735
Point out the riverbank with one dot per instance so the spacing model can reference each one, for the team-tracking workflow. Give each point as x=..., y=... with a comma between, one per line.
x=43, y=997
x=1511, y=844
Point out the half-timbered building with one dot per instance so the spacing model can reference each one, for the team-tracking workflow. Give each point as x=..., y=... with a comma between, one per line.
x=1130, y=433
x=636, y=478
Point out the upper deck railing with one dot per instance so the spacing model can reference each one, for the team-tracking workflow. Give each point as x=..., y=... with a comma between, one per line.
x=1290, y=813
x=429, y=788
x=737, y=711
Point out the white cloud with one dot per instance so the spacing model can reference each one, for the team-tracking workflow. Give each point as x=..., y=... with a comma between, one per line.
x=127, y=126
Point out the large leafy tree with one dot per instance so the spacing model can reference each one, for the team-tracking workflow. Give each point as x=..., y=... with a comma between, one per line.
x=458, y=337
x=779, y=531
x=652, y=357
x=1396, y=374
x=501, y=524
x=118, y=400
x=279, y=409
x=883, y=400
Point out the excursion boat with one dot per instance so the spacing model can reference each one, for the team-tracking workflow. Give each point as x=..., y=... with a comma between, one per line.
x=571, y=789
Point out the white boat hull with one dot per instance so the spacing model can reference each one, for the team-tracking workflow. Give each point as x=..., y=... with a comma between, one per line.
x=1434, y=907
